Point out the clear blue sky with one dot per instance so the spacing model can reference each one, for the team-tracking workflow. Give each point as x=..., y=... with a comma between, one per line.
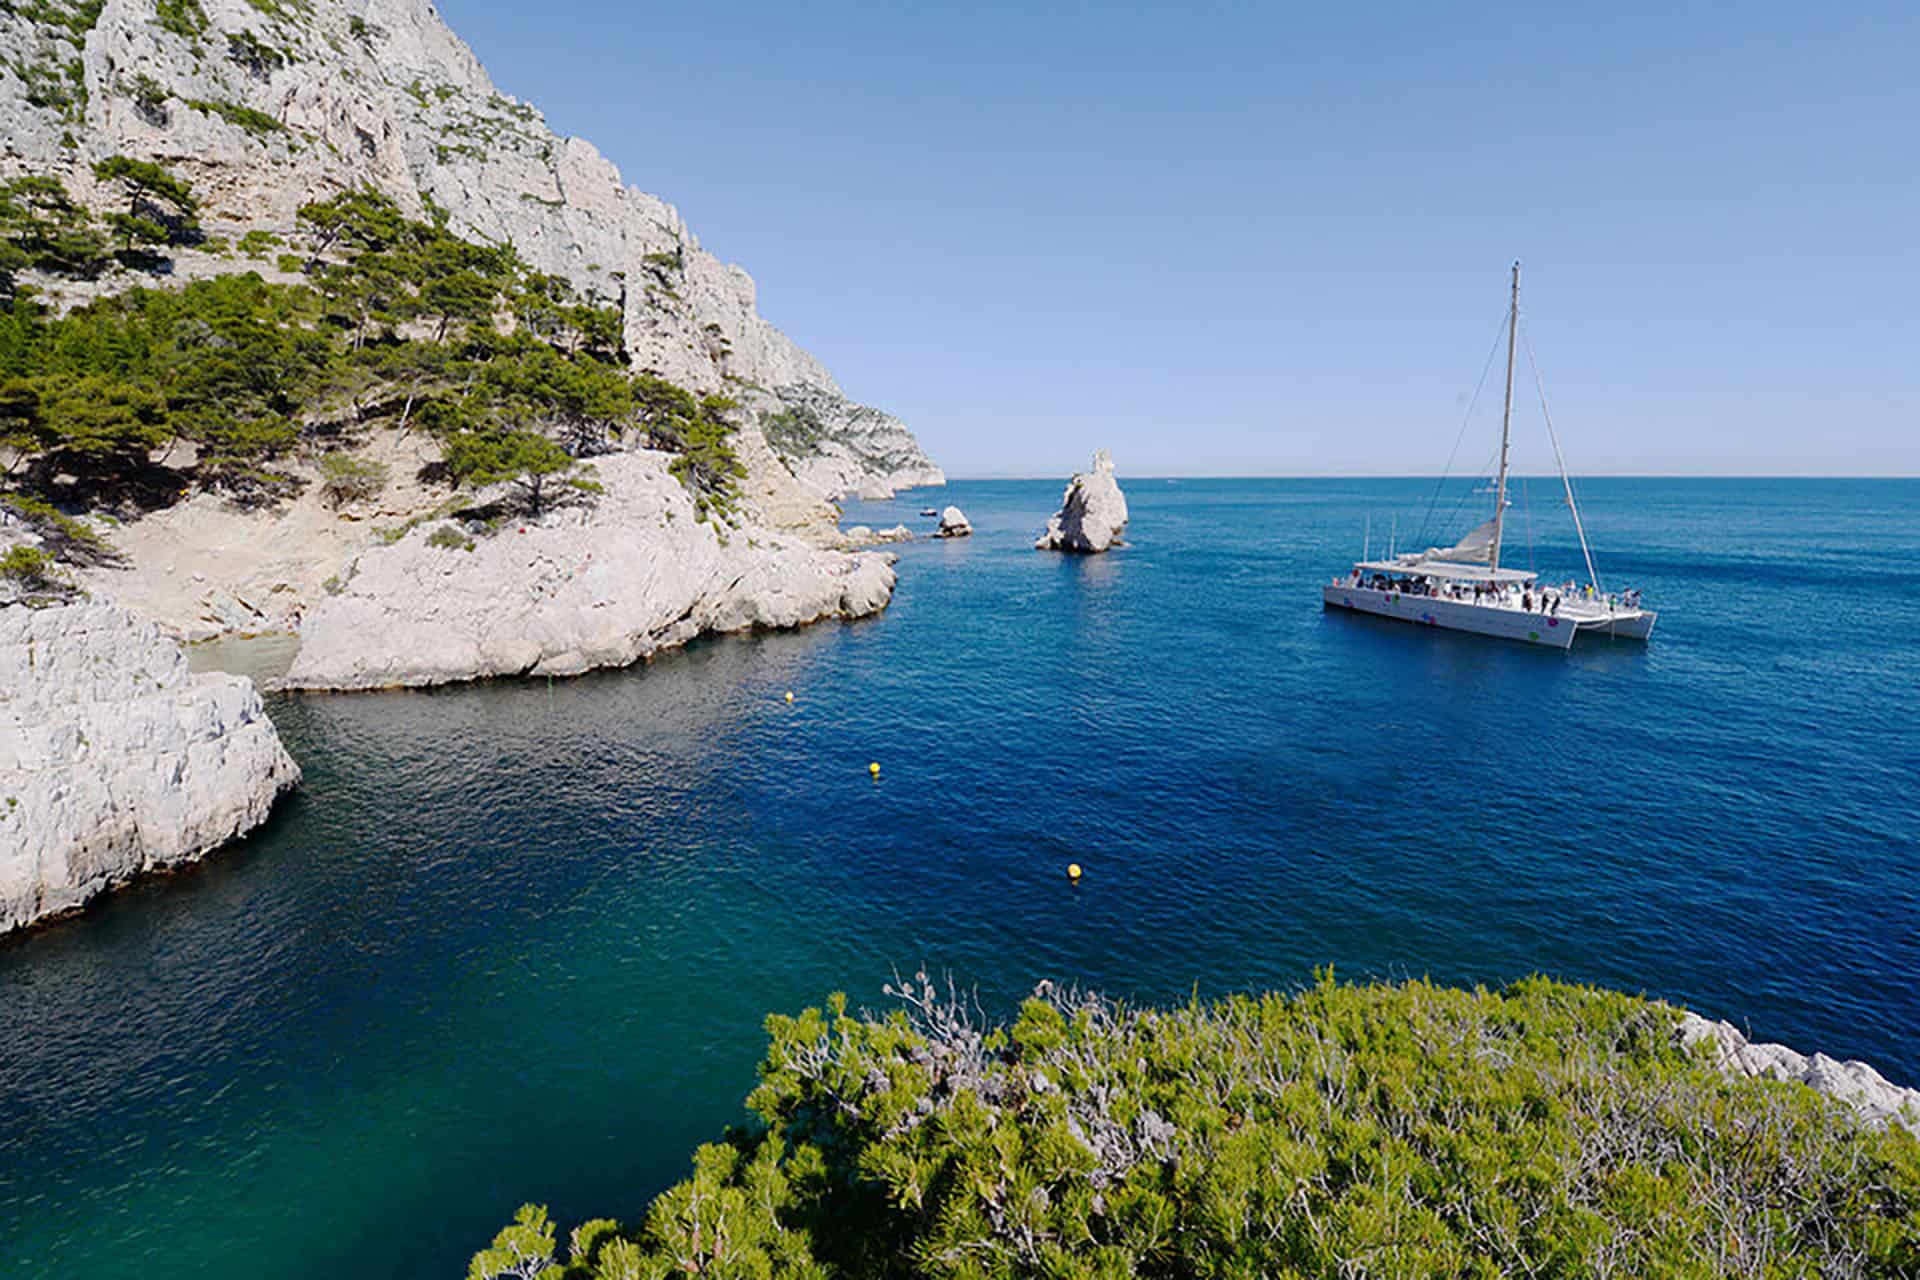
x=1233, y=239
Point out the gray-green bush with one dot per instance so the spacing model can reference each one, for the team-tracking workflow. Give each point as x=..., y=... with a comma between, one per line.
x=1407, y=1130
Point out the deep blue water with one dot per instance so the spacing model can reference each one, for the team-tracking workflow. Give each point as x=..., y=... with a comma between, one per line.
x=514, y=941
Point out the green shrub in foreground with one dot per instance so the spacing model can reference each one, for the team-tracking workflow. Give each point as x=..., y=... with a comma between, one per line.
x=1410, y=1130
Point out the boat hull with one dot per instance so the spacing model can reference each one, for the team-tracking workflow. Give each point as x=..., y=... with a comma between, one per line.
x=1453, y=615
x=1634, y=625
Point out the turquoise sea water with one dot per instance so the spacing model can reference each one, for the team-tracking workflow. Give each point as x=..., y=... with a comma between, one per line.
x=514, y=942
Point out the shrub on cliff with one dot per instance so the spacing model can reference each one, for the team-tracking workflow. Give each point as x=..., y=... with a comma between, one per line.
x=32, y=576
x=161, y=209
x=29, y=566
x=42, y=228
x=700, y=430
x=707, y=465
x=1406, y=1130
x=402, y=323
x=536, y=467
x=67, y=540
x=345, y=478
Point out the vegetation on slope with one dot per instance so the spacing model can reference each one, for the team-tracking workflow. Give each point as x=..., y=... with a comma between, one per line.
x=394, y=324
x=1410, y=1130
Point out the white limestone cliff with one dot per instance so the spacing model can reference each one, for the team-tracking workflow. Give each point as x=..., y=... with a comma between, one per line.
x=382, y=93
x=115, y=760
x=1093, y=512
x=579, y=588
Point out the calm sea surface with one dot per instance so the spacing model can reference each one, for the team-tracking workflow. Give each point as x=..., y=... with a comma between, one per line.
x=514, y=942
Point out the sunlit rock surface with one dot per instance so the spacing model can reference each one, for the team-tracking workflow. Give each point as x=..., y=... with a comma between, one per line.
x=115, y=760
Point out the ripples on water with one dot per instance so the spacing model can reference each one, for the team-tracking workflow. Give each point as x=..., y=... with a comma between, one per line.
x=515, y=941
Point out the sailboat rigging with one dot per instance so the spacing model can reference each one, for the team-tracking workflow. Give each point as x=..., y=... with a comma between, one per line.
x=1465, y=588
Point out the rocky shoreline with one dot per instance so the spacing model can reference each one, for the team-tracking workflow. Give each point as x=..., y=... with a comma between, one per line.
x=594, y=586
x=1876, y=1099
x=115, y=760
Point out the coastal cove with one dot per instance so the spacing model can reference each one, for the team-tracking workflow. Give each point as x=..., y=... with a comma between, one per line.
x=514, y=941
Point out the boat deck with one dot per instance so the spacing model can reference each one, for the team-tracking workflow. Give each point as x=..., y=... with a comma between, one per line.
x=1501, y=615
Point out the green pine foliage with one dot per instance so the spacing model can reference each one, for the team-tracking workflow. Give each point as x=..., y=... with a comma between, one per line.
x=1407, y=1130
x=43, y=229
x=259, y=243
x=345, y=479
x=183, y=18
x=399, y=323
x=257, y=123
x=535, y=465
x=161, y=209
x=72, y=18
x=698, y=429
x=258, y=58
x=67, y=540
x=33, y=576
x=29, y=566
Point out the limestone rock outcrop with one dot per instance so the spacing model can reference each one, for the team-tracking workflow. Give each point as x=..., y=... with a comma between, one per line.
x=580, y=588
x=266, y=107
x=1093, y=512
x=835, y=447
x=115, y=759
x=954, y=524
x=861, y=535
x=1855, y=1083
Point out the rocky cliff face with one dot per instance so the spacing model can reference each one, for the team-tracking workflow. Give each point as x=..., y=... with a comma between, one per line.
x=114, y=760
x=580, y=588
x=264, y=105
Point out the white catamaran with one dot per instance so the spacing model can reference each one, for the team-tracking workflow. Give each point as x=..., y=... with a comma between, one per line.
x=1464, y=587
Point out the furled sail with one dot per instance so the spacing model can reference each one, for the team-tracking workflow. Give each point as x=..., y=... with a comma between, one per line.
x=1475, y=548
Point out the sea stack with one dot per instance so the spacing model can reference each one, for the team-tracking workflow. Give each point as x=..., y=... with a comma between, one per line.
x=1093, y=512
x=115, y=759
x=953, y=524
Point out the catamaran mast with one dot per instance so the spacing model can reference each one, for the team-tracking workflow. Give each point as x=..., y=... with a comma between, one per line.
x=1506, y=424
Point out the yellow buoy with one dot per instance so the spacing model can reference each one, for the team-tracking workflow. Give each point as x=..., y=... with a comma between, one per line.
x=789, y=695
x=874, y=768
x=1073, y=871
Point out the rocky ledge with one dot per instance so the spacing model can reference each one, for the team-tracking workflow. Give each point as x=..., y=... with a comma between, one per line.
x=115, y=759
x=600, y=585
x=1093, y=512
x=1877, y=1099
